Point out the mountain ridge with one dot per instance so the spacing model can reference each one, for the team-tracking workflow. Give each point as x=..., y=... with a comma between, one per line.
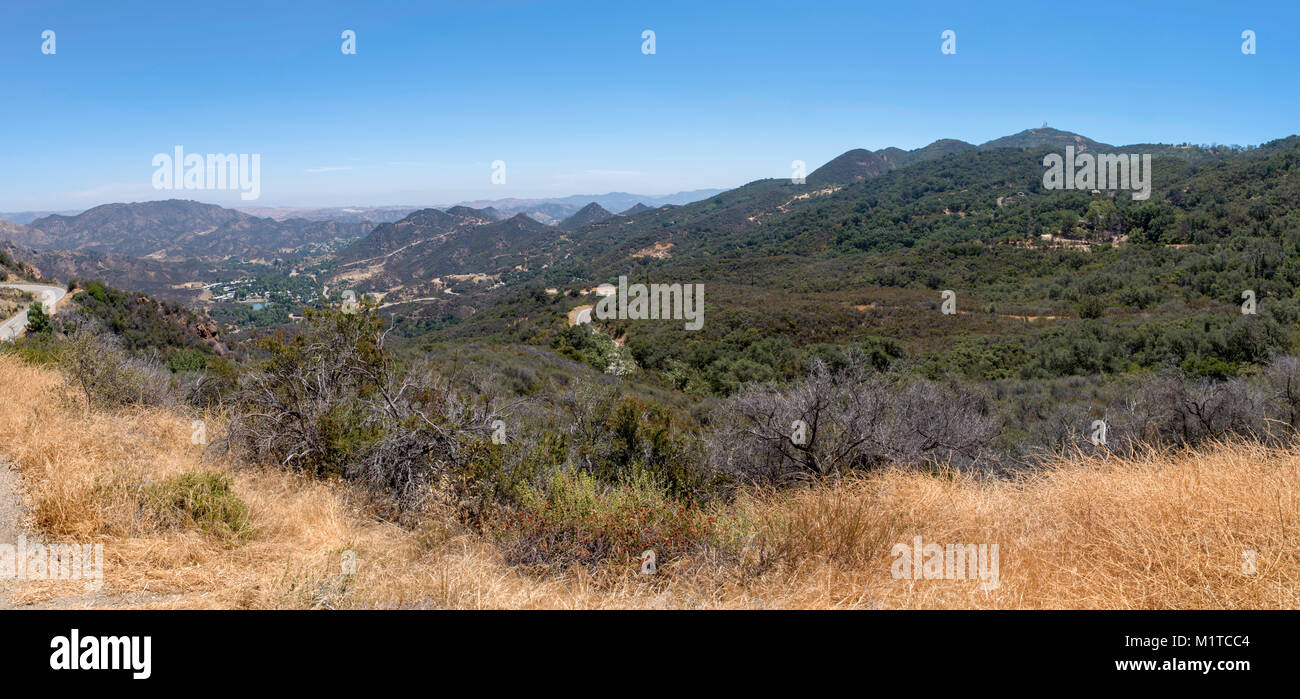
x=587, y=215
x=859, y=163
x=177, y=229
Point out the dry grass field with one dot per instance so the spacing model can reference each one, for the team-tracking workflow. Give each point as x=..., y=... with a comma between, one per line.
x=1162, y=531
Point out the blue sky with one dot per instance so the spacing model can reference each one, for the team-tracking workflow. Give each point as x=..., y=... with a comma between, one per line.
x=561, y=92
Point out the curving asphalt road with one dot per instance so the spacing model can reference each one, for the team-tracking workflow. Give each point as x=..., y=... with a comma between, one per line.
x=48, y=294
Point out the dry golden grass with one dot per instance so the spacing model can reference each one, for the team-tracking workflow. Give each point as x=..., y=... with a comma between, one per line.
x=1161, y=531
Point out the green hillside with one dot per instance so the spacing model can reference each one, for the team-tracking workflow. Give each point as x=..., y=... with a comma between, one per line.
x=792, y=271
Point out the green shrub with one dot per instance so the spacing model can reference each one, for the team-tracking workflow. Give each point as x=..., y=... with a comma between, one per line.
x=38, y=321
x=34, y=349
x=202, y=500
x=1091, y=307
x=187, y=360
x=1212, y=367
x=574, y=519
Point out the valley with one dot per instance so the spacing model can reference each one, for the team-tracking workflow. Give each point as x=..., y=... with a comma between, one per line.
x=871, y=227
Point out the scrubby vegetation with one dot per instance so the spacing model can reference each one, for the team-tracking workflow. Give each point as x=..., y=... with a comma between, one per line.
x=146, y=326
x=561, y=465
x=1154, y=530
x=12, y=301
x=13, y=268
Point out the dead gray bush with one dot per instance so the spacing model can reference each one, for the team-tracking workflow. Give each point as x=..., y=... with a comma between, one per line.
x=1282, y=391
x=851, y=419
x=331, y=401
x=1171, y=408
x=434, y=445
x=107, y=375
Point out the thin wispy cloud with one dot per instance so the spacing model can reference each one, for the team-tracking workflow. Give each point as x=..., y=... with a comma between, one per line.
x=121, y=191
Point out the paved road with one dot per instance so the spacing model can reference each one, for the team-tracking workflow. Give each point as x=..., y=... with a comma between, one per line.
x=48, y=294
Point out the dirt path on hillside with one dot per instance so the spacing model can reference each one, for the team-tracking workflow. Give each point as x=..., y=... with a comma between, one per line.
x=9, y=506
x=10, y=522
x=12, y=527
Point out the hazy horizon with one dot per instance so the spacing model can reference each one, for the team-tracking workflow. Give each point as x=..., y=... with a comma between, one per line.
x=259, y=205
x=230, y=199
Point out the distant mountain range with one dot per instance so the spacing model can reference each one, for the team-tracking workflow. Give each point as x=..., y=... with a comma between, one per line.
x=26, y=217
x=419, y=226
x=550, y=211
x=150, y=245
x=555, y=210
x=351, y=214
x=411, y=257
x=156, y=246
x=181, y=230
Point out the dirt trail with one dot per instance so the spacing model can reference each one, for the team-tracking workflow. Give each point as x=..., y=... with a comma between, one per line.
x=11, y=527
x=10, y=522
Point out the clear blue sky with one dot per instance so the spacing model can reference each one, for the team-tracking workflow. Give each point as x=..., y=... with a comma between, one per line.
x=562, y=93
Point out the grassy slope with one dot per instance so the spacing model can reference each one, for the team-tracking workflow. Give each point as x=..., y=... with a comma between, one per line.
x=1158, y=532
